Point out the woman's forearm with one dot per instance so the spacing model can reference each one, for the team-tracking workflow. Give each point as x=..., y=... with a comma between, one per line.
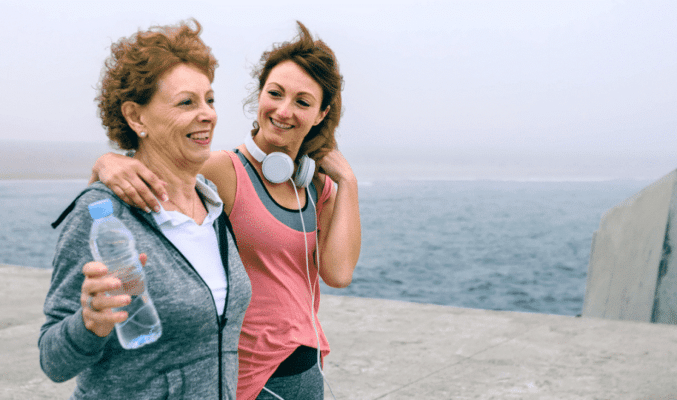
x=67, y=348
x=341, y=242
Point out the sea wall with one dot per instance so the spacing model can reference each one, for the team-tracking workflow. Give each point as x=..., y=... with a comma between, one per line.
x=384, y=349
x=632, y=273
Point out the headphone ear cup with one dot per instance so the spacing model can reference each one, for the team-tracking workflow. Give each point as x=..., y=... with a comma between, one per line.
x=277, y=167
x=305, y=173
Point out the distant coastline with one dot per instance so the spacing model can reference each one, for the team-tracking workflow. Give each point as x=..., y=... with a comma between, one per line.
x=48, y=160
x=21, y=160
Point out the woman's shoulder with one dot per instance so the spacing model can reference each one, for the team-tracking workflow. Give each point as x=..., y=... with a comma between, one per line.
x=97, y=191
x=78, y=210
x=219, y=165
x=220, y=170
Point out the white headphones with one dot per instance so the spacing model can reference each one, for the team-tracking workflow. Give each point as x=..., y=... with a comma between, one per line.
x=278, y=167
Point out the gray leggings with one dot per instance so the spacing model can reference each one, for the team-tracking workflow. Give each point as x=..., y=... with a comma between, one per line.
x=307, y=385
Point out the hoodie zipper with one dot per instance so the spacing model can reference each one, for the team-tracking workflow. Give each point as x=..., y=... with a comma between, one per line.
x=221, y=320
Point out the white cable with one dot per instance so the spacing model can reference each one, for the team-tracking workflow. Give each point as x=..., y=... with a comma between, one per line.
x=310, y=285
x=271, y=392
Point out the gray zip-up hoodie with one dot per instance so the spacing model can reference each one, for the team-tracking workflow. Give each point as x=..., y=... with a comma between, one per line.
x=196, y=356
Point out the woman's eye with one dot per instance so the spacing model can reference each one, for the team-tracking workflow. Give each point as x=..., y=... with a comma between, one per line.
x=211, y=101
x=304, y=103
x=186, y=102
x=274, y=93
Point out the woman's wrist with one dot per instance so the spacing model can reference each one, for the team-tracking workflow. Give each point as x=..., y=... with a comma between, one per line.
x=346, y=178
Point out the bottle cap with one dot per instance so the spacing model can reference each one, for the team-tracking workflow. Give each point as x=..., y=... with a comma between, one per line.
x=101, y=208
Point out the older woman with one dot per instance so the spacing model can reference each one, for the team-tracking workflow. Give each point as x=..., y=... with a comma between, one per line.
x=284, y=240
x=155, y=98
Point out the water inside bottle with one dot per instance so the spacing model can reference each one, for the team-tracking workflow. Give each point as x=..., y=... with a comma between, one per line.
x=142, y=326
x=132, y=281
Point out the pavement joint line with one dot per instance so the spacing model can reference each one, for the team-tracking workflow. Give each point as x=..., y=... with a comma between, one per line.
x=462, y=360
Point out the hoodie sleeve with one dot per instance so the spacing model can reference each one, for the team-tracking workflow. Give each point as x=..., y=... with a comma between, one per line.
x=66, y=346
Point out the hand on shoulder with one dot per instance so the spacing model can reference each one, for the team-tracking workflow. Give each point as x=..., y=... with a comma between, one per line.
x=131, y=181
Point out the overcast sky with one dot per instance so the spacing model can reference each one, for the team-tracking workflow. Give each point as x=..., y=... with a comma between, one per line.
x=585, y=88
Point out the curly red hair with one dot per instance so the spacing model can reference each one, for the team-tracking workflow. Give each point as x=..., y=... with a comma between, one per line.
x=136, y=63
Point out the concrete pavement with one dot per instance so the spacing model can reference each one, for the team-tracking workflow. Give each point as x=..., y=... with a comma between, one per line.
x=383, y=349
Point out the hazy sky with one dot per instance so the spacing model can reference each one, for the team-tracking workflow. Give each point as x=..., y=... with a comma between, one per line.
x=540, y=88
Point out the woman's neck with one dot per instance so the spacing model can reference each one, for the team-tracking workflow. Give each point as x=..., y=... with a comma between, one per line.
x=180, y=179
x=291, y=151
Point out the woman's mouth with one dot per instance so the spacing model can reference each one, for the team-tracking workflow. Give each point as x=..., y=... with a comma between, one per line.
x=202, y=138
x=280, y=124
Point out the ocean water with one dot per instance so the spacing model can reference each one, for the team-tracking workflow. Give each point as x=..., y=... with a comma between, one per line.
x=500, y=245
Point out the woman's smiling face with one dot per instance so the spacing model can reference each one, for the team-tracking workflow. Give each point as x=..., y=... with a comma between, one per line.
x=180, y=117
x=289, y=106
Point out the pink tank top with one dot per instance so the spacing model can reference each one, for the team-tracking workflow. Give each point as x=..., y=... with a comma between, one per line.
x=278, y=318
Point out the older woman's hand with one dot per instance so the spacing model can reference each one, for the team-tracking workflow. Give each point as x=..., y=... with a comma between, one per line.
x=131, y=181
x=96, y=305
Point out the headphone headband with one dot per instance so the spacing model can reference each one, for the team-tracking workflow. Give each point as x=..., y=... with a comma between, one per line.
x=253, y=149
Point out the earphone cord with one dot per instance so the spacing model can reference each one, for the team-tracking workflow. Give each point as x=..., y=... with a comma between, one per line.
x=310, y=284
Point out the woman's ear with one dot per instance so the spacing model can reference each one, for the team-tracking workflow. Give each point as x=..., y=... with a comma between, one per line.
x=132, y=113
x=321, y=115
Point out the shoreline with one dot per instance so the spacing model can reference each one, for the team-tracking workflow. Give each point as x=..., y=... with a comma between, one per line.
x=25, y=159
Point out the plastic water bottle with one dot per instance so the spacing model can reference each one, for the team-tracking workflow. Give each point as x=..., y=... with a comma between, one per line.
x=113, y=245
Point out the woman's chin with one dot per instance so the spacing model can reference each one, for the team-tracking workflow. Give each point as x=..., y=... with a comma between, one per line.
x=278, y=141
x=193, y=160
x=202, y=157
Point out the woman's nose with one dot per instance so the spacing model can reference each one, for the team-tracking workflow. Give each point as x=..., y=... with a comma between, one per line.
x=284, y=110
x=208, y=113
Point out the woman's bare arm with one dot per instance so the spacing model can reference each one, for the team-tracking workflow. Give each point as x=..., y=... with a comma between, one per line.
x=340, y=228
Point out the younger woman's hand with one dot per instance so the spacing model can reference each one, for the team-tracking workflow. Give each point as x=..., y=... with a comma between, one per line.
x=337, y=167
x=130, y=180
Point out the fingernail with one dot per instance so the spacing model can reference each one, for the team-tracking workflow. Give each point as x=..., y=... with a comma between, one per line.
x=157, y=209
x=165, y=197
x=147, y=210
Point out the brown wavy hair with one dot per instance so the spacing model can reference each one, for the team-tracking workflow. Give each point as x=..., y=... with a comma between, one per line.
x=136, y=63
x=318, y=61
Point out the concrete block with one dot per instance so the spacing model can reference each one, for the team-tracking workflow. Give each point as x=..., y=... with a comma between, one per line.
x=629, y=274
